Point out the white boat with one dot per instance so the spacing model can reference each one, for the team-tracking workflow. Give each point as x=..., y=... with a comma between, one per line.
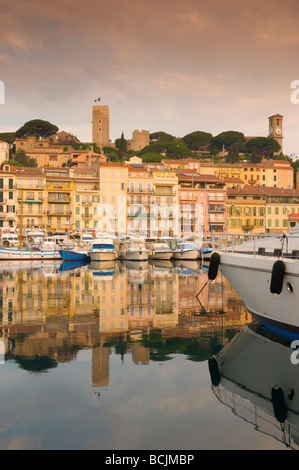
x=135, y=250
x=186, y=251
x=102, y=249
x=36, y=236
x=265, y=274
x=255, y=376
x=160, y=250
x=10, y=239
x=46, y=251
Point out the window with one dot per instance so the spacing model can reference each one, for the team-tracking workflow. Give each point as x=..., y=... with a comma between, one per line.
x=10, y=183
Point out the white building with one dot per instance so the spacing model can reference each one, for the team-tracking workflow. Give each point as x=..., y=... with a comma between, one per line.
x=4, y=151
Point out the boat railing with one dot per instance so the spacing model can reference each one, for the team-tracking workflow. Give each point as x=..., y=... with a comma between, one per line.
x=226, y=242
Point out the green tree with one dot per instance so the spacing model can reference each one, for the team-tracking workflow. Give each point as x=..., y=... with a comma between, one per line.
x=23, y=159
x=233, y=154
x=227, y=139
x=197, y=139
x=255, y=157
x=266, y=146
x=161, y=136
x=8, y=137
x=121, y=144
x=38, y=128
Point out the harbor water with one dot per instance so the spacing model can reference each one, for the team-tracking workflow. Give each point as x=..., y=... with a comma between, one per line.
x=115, y=356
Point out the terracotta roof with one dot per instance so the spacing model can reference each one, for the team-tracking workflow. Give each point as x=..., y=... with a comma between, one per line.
x=263, y=190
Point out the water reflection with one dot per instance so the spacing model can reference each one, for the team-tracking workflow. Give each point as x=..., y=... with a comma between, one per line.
x=51, y=310
x=255, y=377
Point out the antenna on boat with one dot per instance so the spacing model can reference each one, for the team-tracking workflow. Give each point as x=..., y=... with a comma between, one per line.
x=21, y=221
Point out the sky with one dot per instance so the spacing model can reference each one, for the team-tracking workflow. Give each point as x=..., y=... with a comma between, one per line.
x=176, y=66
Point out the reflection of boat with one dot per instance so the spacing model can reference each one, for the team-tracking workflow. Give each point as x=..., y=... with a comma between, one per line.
x=161, y=263
x=102, y=268
x=187, y=267
x=256, y=377
x=135, y=250
x=186, y=251
x=68, y=266
x=102, y=250
x=265, y=274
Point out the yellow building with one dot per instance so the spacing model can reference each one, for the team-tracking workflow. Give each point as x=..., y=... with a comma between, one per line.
x=271, y=173
x=140, y=191
x=113, y=198
x=8, y=197
x=59, y=194
x=30, y=189
x=86, y=200
x=165, y=213
x=246, y=210
x=282, y=209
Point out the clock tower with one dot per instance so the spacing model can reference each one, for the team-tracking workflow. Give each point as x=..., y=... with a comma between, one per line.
x=275, y=128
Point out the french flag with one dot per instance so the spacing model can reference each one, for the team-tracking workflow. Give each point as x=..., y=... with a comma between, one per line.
x=99, y=99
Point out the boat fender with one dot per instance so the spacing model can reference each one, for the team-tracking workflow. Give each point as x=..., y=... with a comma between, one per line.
x=213, y=266
x=277, y=277
x=214, y=371
x=278, y=402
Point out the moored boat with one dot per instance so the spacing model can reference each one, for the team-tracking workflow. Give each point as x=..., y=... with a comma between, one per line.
x=186, y=251
x=135, y=250
x=102, y=250
x=265, y=274
x=73, y=254
x=45, y=251
x=160, y=251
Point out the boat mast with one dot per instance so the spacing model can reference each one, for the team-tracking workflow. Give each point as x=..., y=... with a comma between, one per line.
x=21, y=221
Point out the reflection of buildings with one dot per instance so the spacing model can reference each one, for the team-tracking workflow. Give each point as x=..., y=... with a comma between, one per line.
x=49, y=313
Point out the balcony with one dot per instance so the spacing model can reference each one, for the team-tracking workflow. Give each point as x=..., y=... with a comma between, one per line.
x=163, y=193
x=59, y=214
x=140, y=191
x=247, y=228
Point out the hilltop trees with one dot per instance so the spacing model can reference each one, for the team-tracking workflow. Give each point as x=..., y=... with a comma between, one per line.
x=195, y=140
x=38, y=128
x=263, y=145
x=228, y=139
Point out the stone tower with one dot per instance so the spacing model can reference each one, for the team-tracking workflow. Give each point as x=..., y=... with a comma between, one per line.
x=140, y=140
x=275, y=128
x=100, y=125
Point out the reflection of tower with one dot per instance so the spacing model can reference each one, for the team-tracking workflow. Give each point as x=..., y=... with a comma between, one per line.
x=275, y=128
x=100, y=366
x=100, y=125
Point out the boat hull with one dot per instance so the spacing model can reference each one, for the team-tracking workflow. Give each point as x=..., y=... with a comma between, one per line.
x=161, y=255
x=186, y=255
x=102, y=256
x=28, y=255
x=250, y=277
x=136, y=255
x=69, y=255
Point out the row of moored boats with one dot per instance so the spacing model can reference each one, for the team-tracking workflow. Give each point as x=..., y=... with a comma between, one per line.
x=100, y=247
